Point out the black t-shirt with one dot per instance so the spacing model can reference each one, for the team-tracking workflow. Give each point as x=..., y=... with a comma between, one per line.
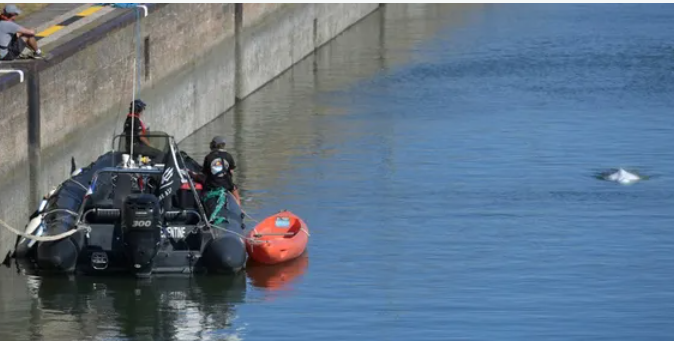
x=216, y=168
x=137, y=130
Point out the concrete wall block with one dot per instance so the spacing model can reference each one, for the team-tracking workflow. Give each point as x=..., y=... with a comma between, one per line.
x=214, y=88
x=256, y=13
x=335, y=18
x=13, y=117
x=302, y=33
x=13, y=203
x=77, y=79
x=175, y=38
x=270, y=48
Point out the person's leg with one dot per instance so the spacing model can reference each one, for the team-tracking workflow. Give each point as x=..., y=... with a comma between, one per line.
x=26, y=47
x=235, y=193
x=9, y=56
x=32, y=43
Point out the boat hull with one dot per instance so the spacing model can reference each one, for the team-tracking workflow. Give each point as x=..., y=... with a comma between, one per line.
x=184, y=245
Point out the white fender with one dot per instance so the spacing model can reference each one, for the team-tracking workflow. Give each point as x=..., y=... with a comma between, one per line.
x=34, y=224
x=43, y=204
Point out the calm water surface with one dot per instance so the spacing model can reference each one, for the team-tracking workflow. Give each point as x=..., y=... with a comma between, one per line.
x=443, y=157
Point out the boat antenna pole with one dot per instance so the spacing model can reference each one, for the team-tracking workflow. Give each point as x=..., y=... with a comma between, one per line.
x=135, y=78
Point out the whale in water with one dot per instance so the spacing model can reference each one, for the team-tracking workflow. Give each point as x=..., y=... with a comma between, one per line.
x=622, y=176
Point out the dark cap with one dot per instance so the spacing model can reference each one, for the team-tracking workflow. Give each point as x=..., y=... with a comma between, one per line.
x=137, y=106
x=217, y=140
x=11, y=9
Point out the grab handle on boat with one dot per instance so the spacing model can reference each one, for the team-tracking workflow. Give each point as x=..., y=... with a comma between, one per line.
x=257, y=235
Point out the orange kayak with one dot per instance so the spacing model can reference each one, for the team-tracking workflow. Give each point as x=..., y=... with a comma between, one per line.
x=278, y=238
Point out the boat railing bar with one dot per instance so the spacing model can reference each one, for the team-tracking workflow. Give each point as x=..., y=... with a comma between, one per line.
x=170, y=138
x=60, y=210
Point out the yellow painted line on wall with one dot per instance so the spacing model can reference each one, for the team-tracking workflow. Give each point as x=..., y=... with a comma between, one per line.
x=51, y=30
x=89, y=11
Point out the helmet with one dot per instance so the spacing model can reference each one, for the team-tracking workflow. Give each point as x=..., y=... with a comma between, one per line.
x=217, y=140
x=137, y=106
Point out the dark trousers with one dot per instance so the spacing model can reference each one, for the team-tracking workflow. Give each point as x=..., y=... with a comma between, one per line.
x=15, y=47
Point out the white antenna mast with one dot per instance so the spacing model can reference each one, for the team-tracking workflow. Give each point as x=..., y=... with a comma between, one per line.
x=135, y=62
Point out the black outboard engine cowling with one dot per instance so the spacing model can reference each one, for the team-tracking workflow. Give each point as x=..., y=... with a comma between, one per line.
x=141, y=227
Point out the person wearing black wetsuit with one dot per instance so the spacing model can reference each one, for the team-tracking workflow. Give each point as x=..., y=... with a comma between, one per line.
x=141, y=144
x=217, y=169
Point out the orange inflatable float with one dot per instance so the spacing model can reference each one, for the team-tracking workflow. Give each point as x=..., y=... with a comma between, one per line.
x=278, y=238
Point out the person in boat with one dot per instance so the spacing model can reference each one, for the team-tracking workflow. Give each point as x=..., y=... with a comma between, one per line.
x=16, y=41
x=141, y=144
x=217, y=172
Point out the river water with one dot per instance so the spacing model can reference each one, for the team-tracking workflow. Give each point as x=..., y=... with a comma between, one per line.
x=443, y=158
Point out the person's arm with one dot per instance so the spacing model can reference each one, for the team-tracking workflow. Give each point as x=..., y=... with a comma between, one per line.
x=145, y=140
x=19, y=30
x=25, y=31
x=230, y=161
x=139, y=132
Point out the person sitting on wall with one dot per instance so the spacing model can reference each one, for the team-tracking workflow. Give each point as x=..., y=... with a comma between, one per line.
x=216, y=175
x=141, y=144
x=16, y=41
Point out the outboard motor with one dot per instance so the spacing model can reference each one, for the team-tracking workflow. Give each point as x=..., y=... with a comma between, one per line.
x=141, y=228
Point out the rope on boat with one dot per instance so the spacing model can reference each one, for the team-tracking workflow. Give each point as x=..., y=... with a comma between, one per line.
x=46, y=238
x=222, y=200
x=249, y=217
x=252, y=240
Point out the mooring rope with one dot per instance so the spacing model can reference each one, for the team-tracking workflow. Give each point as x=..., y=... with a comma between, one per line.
x=253, y=240
x=46, y=238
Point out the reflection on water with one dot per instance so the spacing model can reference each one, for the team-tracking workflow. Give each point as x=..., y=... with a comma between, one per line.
x=163, y=308
x=277, y=276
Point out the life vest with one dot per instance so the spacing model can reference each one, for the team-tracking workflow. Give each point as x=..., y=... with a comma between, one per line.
x=142, y=125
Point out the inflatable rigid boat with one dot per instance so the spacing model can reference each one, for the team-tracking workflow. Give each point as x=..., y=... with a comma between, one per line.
x=121, y=216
